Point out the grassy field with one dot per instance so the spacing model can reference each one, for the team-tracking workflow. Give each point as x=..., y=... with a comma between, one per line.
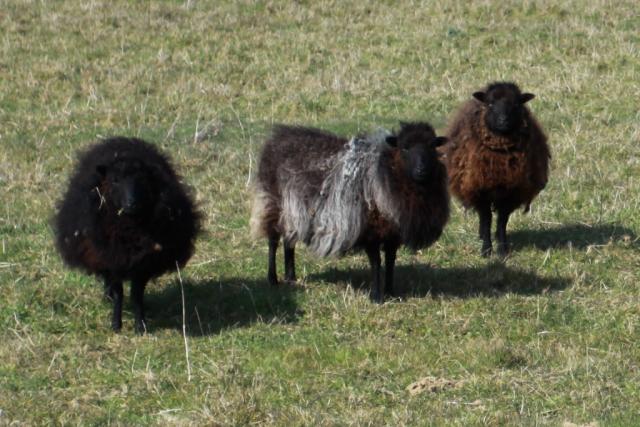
x=549, y=337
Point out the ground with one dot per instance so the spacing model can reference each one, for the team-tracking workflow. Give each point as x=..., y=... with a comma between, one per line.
x=548, y=337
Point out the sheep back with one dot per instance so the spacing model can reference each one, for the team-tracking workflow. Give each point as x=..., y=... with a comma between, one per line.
x=292, y=157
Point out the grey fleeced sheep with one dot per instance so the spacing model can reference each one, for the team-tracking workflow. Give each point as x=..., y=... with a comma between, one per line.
x=336, y=195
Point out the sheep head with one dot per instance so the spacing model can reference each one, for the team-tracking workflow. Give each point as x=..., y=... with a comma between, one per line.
x=504, y=105
x=127, y=187
x=418, y=142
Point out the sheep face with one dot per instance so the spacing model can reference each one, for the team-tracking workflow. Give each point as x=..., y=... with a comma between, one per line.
x=418, y=143
x=504, y=105
x=128, y=186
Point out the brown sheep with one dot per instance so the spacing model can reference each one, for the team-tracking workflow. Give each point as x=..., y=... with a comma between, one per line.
x=497, y=158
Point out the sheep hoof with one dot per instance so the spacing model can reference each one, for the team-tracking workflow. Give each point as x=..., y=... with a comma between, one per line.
x=376, y=297
x=503, y=250
x=141, y=327
x=486, y=251
x=116, y=327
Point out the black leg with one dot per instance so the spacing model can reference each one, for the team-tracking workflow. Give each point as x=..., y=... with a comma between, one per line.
x=389, y=266
x=115, y=286
x=137, y=299
x=501, y=231
x=484, y=214
x=289, y=262
x=272, y=276
x=108, y=293
x=373, y=252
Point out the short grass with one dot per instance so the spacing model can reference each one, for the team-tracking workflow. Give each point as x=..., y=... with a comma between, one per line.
x=548, y=337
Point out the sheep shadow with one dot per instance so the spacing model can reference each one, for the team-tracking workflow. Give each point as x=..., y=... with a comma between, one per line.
x=578, y=236
x=214, y=305
x=419, y=280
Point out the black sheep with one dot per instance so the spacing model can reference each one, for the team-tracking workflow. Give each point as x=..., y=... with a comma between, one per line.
x=336, y=195
x=125, y=216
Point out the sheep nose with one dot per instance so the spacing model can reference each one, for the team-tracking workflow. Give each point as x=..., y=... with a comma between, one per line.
x=419, y=173
x=130, y=204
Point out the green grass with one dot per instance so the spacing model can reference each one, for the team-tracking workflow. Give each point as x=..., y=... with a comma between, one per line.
x=548, y=337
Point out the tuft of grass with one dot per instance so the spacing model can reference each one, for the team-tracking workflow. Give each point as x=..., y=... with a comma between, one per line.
x=547, y=337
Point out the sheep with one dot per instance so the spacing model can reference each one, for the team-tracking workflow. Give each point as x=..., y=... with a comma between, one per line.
x=125, y=216
x=336, y=195
x=497, y=158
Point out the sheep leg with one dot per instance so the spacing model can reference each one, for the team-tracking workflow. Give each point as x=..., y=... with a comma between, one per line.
x=373, y=252
x=289, y=262
x=108, y=292
x=137, y=298
x=501, y=231
x=272, y=276
x=389, y=266
x=116, y=294
x=484, y=214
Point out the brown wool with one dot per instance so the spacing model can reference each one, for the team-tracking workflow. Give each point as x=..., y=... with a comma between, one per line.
x=482, y=164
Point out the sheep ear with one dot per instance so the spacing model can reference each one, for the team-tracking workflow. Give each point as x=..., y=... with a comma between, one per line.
x=392, y=140
x=101, y=170
x=440, y=140
x=480, y=96
x=526, y=97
